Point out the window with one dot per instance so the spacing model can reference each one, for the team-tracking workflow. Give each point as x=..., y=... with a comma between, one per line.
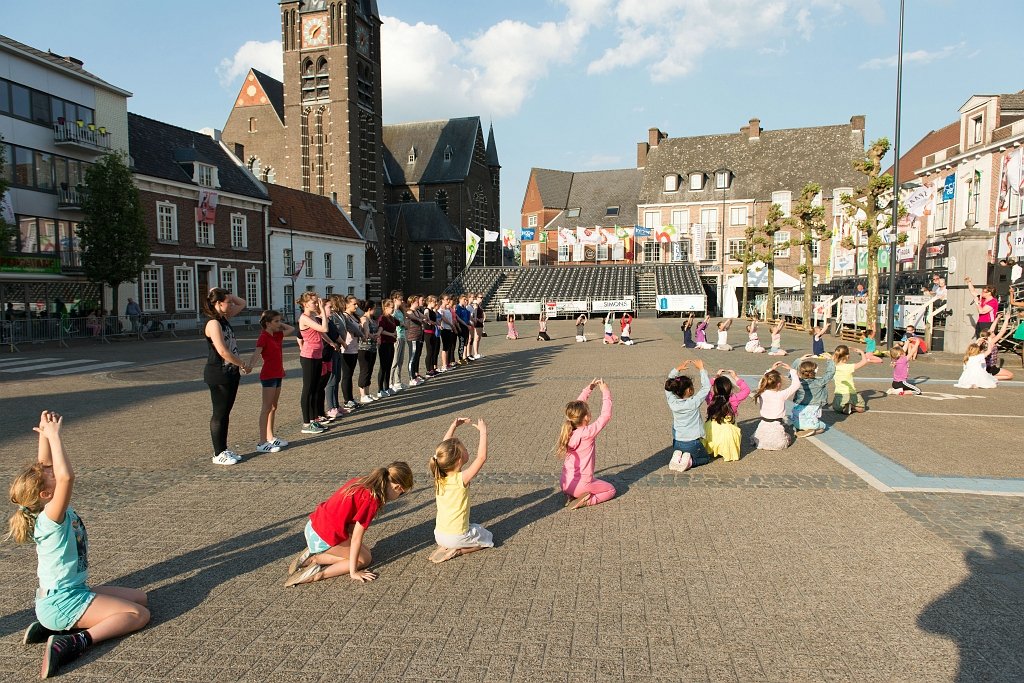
x=183, y=299
x=943, y=217
x=427, y=263
x=41, y=108
x=229, y=280
x=447, y=153
x=24, y=169
x=563, y=252
x=531, y=221
x=166, y=222
x=351, y=291
x=328, y=265
x=289, y=297
x=711, y=250
x=611, y=211
x=816, y=199
x=709, y=219
x=44, y=171
x=441, y=199
x=255, y=166
x=737, y=215
x=696, y=181
x=204, y=175
x=652, y=220
x=152, y=288
x=737, y=249
x=329, y=290
x=602, y=252
x=253, y=293
x=722, y=180
x=252, y=124
x=785, y=200
x=781, y=239
x=412, y=155
x=681, y=219
x=573, y=213
x=239, y=233
x=977, y=130
x=671, y=182
x=350, y=266
x=289, y=264
x=838, y=208
x=204, y=234
x=816, y=251
x=21, y=101
x=309, y=264
x=652, y=251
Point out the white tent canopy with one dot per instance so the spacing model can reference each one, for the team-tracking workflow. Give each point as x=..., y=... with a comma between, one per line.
x=757, y=277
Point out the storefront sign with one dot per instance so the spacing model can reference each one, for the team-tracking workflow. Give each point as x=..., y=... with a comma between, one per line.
x=611, y=305
x=570, y=307
x=935, y=250
x=24, y=263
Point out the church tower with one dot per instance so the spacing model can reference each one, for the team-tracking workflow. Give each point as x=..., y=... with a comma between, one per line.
x=332, y=113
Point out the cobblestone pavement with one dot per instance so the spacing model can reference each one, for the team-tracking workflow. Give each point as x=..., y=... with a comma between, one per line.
x=780, y=567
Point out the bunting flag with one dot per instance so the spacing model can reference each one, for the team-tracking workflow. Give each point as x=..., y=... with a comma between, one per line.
x=508, y=237
x=472, y=244
x=566, y=236
x=642, y=231
x=588, y=235
x=919, y=199
x=491, y=235
x=623, y=233
x=543, y=236
x=298, y=270
x=610, y=236
x=206, y=212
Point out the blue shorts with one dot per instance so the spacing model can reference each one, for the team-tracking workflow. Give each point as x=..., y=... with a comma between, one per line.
x=313, y=541
x=60, y=609
x=271, y=383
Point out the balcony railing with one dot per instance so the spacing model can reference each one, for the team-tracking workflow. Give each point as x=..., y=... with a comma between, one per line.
x=84, y=136
x=70, y=198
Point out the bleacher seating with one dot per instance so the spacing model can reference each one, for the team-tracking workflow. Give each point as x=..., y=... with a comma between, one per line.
x=674, y=280
x=486, y=280
x=574, y=283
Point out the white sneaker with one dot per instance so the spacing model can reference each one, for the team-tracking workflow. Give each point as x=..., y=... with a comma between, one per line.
x=683, y=465
x=381, y=394
x=442, y=369
x=267, y=447
x=893, y=392
x=365, y=399
x=477, y=357
x=224, y=458
x=281, y=443
x=398, y=387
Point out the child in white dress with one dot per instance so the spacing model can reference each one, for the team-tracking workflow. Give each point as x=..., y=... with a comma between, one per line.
x=975, y=376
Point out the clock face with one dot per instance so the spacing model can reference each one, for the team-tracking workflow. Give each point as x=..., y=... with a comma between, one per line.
x=314, y=31
x=362, y=39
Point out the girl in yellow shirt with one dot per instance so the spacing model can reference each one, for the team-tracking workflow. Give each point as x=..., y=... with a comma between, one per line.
x=452, y=531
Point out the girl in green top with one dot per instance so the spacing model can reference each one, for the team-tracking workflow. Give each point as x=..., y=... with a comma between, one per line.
x=846, y=399
x=452, y=531
x=43, y=495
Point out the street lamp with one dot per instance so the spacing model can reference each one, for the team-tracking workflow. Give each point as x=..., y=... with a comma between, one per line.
x=890, y=327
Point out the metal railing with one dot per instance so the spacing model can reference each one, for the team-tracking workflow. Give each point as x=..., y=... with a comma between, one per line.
x=85, y=135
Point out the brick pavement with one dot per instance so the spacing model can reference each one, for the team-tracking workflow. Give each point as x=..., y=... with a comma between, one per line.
x=780, y=567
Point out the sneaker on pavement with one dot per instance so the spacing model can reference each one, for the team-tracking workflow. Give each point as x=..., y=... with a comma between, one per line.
x=60, y=650
x=366, y=400
x=312, y=428
x=333, y=413
x=281, y=443
x=350, y=404
x=37, y=633
x=267, y=447
x=224, y=458
x=304, y=575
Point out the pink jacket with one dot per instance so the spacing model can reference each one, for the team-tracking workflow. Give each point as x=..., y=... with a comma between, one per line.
x=578, y=465
x=740, y=391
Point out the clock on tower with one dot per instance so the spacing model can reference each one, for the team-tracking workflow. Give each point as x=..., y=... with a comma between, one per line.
x=314, y=30
x=363, y=39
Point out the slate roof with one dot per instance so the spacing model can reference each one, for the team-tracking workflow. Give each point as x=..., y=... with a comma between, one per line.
x=932, y=142
x=492, y=149
x=308, y=212
x=1012, y=101
x=553, y=186
x=784, y=159
x=423, y=222
x=592, y=192
x=159, y=149
x=60, y=62
x=430, y=138
x=274, y=90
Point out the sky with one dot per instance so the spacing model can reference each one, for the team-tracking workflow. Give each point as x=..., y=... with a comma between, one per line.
x=570, y=84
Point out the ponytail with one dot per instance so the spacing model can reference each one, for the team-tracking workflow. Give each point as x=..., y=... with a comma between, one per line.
x=25, y=493
x=770, y=381
x=575, y=412
x=376, y=482
x=445, y=459
x=720, y=408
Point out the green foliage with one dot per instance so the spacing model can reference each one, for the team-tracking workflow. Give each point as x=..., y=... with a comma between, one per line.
x=810, y=227
x=115, y=246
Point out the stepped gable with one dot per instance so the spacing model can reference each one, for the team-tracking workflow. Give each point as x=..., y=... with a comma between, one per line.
x=777, y=160
x=422, y=222
x=164, y=151
x=429, y=139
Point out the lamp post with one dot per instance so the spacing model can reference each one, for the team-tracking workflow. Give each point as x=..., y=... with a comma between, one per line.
x=891, y=317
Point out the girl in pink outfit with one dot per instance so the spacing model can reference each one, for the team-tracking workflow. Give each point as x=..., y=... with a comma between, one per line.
x=773, y=432
x=576, y=446
x=735, y=388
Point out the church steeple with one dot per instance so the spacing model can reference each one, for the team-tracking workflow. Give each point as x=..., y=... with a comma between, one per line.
x=492, y=150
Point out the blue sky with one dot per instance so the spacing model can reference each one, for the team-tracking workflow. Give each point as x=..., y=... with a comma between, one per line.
x=570, y=84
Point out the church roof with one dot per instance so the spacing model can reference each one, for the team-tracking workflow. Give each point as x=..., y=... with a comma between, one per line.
x=492, y=149
x=428, y=140
x=161, y=150
x=423, y=222
x=274, y=90
x=308, y=212
x=784, y=159
x=593, y=193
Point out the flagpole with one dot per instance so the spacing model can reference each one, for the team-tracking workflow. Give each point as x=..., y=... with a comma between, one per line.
x=890, y=332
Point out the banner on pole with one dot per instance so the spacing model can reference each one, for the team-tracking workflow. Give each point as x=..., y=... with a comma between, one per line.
x=491, y=235
x=472, y=245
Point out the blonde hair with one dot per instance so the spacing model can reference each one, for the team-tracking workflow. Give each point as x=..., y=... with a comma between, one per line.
x=841, y=353
x=896, y=352
x=575, y=413
x=376, y=482
x=25, y=493
x=304, y=297
x=770, y=381
x=972, y=350
x=444, y=460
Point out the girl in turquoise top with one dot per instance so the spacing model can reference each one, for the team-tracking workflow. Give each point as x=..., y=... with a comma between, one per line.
x=870, y=347
x=63, y=602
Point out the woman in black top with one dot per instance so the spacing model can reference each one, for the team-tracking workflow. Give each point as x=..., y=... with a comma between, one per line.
x=224, y=368
x=414, y=322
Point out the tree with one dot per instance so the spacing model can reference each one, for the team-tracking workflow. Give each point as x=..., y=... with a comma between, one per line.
x=764, y=247
x=809, y=222
x=115, y=246
x=873, y=201
x=747, y=258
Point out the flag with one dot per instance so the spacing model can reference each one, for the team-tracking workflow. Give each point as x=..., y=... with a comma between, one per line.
x=623, y=233
x=918, y=200
x=642, y=231
x=588, y=235
x=1004, y=184
x=949, y=187
x=298, y=270
x=527, y=234
x=1015, y=170
x=566, y=236
x=472, y=243
x=666, y=234
x=491, y=235
x=543, y=236
x=206, y=212
x=508, y=237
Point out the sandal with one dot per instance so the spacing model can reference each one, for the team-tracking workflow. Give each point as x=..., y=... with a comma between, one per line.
x=577, y=503
x=442, y=554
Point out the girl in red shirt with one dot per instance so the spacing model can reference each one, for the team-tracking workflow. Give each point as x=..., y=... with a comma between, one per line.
x=269, y=349
x=334, y=533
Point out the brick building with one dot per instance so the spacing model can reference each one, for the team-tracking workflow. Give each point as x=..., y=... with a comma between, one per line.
x=178, y=171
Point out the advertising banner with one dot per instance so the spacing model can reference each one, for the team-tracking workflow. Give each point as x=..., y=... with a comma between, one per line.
x=527, y=234
x=522, y=307
x=605, y=305
x=681, y=302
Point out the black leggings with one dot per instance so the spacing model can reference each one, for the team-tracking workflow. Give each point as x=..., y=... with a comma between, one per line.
x=385, y=358
x=433, y=345
x=311, y=368
x=321, y=389
x=347, y=370
x=366, y=361
x=448, y=343
x=415, y=351
x=463, y=342
x=223, y=398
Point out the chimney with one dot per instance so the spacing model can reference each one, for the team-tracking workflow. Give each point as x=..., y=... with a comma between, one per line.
x=240, y=151
x=754, y=129
x=654, y=136
x=857, y=122
x=642, y=148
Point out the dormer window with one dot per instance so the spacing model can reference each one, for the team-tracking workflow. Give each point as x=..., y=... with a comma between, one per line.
x=671, y=182
x=977, y=130
x=412, y=155
x=696, y=181
x=206, y=175
x=448, y=153
x=722, y=180
x=611, y=211
x=573, y=213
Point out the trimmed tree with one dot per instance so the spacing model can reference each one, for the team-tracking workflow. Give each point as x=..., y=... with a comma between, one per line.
x=809, y=222
x=764, y=247
x=872, y=201
x=115, y=246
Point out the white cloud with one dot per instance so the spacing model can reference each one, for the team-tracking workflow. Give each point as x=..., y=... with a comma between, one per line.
x=915, y=57
x=265, y=57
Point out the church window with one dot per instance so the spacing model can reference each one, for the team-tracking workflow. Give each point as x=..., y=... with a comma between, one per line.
x=441, y=199
x=427, y=263
x=322, y=85
x=448, y=153
x=252, y=124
